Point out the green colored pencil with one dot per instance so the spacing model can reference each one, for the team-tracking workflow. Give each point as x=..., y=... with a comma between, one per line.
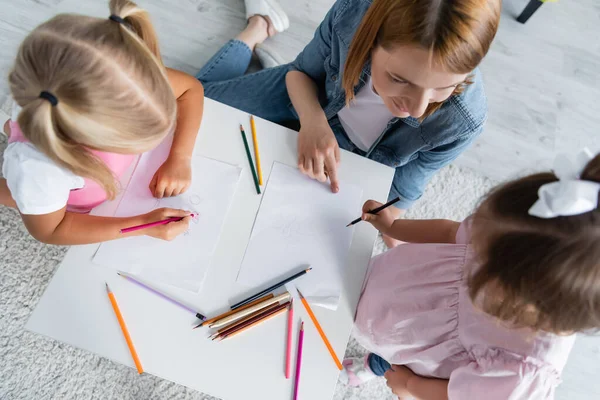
x=250, y=159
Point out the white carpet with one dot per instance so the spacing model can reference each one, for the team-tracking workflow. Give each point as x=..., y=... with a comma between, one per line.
x=35, y=367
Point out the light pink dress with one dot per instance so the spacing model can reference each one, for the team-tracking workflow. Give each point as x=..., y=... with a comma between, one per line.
x=415, y=310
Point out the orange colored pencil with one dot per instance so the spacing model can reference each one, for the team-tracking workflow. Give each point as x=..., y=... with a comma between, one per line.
x=256, y=153
x=228, y=313
x=115, y=307
x=318, y=326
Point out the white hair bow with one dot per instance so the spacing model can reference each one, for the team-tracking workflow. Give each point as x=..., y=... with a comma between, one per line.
x=569, y=195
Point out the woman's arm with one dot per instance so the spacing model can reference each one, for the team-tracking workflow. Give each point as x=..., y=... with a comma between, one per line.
x=175, y=175
x=318, y=151
x=67, y=228
x=410, y=230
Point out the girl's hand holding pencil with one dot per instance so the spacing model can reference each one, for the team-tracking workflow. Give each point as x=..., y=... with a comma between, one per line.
x=382, y=221
x=162, y=223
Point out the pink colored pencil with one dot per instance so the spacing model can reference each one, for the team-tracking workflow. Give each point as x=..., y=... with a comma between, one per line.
x=151, y=224
x=299, y=361
x=288, y=358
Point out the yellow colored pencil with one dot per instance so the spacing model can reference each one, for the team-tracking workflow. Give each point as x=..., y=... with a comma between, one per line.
x=318, y=326
x=256, y=153
x=134, y=355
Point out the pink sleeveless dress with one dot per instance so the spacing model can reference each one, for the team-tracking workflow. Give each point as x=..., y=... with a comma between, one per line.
x=91, y=194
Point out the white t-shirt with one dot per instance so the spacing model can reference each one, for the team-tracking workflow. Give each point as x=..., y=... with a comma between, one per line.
x=365, y=119
x=36, y=183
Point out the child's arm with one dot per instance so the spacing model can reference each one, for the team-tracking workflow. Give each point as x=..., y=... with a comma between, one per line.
x=175, y=175
x=427, y=388
x=407, y=230
x=67, y=228
x=405, y=383
x=5, y=196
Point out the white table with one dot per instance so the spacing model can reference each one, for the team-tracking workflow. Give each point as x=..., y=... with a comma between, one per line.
x=75, y=309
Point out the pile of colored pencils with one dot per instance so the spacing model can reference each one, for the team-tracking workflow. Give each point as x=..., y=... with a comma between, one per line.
x=252, y=311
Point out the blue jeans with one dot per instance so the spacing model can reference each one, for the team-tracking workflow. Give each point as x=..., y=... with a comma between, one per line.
x=263, y=93
x=377, y=364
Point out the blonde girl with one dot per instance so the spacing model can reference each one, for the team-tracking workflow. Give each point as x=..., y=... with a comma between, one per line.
x=92, y=93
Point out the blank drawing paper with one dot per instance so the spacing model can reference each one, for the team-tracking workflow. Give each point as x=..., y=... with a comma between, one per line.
x=301, y=222
x=183, y=262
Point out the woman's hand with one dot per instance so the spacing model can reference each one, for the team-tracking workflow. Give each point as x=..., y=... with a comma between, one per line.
x=319, y=153
x=383, y=220
x=167, y=231
x=397, y=380
x=173, y=177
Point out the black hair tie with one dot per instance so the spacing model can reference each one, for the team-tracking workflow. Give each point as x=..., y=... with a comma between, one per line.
x=50, y=97
x=116, y=18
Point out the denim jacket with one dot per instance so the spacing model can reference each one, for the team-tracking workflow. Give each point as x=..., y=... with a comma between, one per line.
x=415, y=149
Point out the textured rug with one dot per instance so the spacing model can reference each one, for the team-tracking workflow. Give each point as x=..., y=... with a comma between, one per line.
x=35, y=367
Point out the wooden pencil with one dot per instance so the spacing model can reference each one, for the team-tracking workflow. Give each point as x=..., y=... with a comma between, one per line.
x=228, y=313
x=320, y=330
x=247, y=321
x=250, y=159
x=249, y=317
x=258, y=320
x=376, y=210
x=270, y=289
x=115, y=306
x=241, y=314
x=256, y=152
x=299, y=360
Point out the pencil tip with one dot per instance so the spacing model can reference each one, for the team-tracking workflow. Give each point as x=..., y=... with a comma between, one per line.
x=349, y=224
x=197, y=326
x=300, y=293
x=107, y=288
x=241, y=127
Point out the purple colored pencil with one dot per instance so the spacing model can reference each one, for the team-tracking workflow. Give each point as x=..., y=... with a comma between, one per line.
x=299, y=361
x=159, y=294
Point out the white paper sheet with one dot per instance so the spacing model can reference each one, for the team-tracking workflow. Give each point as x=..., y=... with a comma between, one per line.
x=301, y=222
x=183, y=262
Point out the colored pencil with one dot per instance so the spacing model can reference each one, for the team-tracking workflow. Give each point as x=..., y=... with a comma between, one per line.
x=288, y=356
x=376, y=210
x=244, y=313
x=228, y=313
x=256, y=153
x=299, y=360
x=115, y=307
x=270, y=289
x=320, y=330
x=151, y=224
x=251, y=324
x=162, y=295
x=250, y=159
x=232, y=326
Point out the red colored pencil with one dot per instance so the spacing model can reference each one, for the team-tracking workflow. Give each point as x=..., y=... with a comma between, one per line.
x=151, y=224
